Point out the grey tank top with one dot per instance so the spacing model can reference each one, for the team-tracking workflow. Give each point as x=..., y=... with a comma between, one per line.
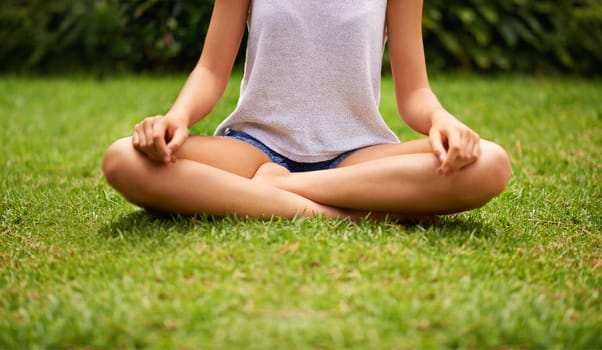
x=311, y=85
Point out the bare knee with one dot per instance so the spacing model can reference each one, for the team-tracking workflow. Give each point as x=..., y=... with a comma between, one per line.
x=115, y=161
x=495, y=170
x=124, y=169
x=499, y=167
x=488, y=177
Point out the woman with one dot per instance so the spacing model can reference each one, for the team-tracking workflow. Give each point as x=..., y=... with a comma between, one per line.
x=306, y=137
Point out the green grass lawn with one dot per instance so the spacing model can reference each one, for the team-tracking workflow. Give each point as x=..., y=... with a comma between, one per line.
x=81, y=268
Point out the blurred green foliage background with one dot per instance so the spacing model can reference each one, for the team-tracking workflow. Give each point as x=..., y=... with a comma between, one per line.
x=533, y=36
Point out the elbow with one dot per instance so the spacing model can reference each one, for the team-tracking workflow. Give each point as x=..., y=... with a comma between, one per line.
x=416, y=108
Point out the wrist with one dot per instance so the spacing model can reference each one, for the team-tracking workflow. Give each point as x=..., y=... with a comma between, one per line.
x=178, y=117
x=442, y=117
x=440, y=114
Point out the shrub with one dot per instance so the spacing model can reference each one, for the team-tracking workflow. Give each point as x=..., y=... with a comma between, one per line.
x=512, y=35
x=523, y=35
x=136, y=34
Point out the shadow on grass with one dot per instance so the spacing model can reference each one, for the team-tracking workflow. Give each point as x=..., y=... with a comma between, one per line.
x=459, y=228
x=144, y=223
x=153, y=225
x=460, y=225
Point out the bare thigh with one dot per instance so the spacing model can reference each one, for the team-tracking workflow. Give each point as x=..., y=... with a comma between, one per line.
x=387, y=150
x=224, y=153
x=212, y=176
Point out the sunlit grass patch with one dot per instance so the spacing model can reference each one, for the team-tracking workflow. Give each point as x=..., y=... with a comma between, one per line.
x=79, y=267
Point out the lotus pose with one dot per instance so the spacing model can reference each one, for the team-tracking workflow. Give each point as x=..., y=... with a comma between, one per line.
x=306, y=137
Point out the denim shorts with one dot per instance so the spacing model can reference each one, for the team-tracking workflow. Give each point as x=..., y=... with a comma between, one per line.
x=291, y=165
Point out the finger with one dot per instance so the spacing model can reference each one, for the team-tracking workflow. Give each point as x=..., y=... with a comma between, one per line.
x=469, y=153
x=152, y=153
x=147, y=146
x=160, y=146
x=177, y=141
x=136, y=138
x=148, y=132
x=454, y=150
x=466, y=143
x=476, y=151
x=437, y=145
x=141, y=134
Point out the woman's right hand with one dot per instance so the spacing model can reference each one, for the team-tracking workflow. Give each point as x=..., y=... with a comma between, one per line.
x=159, y=137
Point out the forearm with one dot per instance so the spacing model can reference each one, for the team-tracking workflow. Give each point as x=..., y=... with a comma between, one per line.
x=198, y=97
x=419, y=107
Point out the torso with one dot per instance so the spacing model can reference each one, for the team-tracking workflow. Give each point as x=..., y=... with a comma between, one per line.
x=312, y=77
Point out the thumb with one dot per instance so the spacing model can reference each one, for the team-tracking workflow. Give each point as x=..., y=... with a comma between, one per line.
x=176, y=141
x=437, y=145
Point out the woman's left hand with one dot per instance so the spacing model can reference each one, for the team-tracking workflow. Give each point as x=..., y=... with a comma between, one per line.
x=455, y=145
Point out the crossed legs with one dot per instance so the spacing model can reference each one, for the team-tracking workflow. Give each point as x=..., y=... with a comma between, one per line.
x=223, y=176
x=212, y=175
x=399, y=178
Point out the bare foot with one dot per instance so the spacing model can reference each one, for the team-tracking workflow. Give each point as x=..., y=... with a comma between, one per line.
x=269, y=173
